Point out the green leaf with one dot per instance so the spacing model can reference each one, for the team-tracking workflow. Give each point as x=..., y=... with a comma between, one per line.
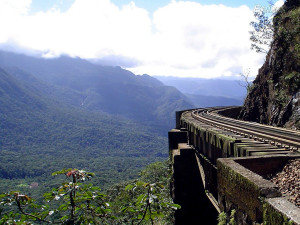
x=175, y=206
x=63, y=171
x=158, y=214
x=91, y=174
x=64, y=217
x=129, y=187
x=140, y=183
x=3, y=195
x=160, y=185
x=140, y=199
x=63, y=207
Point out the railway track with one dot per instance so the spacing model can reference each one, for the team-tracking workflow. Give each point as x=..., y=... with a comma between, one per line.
x=280, y=137
x=255, y=149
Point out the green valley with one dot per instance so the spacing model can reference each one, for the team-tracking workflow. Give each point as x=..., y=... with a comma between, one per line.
x=40, y=135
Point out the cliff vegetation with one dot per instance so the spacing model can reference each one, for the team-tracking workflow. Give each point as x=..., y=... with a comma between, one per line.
x=274, y=97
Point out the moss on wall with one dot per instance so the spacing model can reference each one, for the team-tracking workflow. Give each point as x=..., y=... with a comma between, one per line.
x=236, y=188
x=221, y=142
x=273, y=217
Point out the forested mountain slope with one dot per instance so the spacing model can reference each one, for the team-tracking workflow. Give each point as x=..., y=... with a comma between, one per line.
x=275, y=95
x=40, y=135
x=101, y=88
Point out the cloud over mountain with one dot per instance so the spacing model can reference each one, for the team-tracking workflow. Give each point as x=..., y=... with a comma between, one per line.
x=181, y=38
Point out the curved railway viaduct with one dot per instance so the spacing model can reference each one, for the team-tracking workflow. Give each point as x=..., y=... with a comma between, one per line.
x=221, y=164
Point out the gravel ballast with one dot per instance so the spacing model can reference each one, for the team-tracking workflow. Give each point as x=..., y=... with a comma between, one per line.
x=288, y=181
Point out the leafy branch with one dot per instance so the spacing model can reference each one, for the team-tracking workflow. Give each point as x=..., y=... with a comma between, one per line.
x=75, y=202
x=149, y=202
x=262, y=35
x=21, y=201
x=81, y=203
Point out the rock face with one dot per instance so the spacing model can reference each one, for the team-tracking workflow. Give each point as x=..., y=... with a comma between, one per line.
x=274, y=97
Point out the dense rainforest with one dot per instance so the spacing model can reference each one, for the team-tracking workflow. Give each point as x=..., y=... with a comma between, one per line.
x=53, y=117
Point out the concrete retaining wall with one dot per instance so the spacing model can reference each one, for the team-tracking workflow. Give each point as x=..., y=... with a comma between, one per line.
x=230, y=171
x=254, y=198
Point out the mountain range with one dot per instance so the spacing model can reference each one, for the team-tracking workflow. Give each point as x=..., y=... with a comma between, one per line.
x=68, y=112
x=208, y=92
x=112, y=90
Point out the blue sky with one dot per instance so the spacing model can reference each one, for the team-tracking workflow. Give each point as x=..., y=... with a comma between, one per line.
x=202, y=38
x=150, y=5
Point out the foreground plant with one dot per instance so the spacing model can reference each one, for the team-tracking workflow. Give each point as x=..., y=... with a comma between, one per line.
x=78, y=202
x=21, y=209
x=149, y=202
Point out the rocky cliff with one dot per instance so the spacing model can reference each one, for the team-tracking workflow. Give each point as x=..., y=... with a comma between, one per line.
x=274, y=97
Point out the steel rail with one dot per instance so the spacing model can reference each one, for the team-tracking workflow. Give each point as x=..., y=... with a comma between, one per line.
x=273, y=135
x=291, y=134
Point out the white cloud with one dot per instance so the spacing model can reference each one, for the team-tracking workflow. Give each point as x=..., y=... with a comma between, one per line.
x=11, y=13
x=181, y=39
x=201, y=40
x=14, y=7
x=277, y=5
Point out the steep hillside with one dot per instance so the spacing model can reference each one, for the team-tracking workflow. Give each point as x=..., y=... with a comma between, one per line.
x=101, y=88
x=275, y=95
x=40, y=135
